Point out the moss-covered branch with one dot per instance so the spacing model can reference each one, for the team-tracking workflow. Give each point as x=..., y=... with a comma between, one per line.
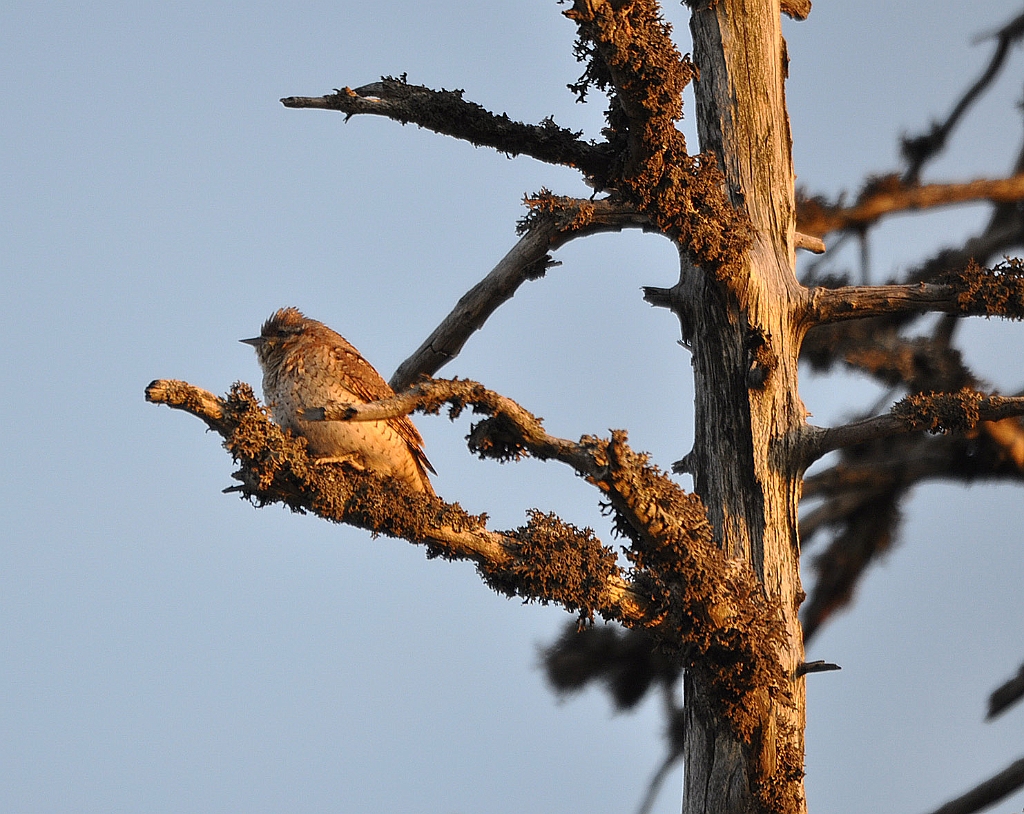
x=890, y=195
x=702, y=608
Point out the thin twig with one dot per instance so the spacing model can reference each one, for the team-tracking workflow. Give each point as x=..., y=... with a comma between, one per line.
x=921, y=149
x=654, y=785
x=819, y=666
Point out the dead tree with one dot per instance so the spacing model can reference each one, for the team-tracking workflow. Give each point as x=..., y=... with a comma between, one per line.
x=712, y=585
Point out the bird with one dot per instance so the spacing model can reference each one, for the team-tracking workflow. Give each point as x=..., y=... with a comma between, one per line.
x=305, y=364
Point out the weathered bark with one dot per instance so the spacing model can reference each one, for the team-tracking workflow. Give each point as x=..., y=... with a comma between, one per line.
x=745, y=333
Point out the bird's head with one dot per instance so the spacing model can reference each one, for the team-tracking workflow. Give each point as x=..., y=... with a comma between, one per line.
x=278, y=334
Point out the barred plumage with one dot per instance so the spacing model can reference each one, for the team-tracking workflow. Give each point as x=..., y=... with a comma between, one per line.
x=306, y=364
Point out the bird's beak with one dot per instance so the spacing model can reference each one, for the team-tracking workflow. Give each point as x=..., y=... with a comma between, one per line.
x=256, y=341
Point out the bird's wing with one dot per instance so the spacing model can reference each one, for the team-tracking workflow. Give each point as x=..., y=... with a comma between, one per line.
x=369, y=385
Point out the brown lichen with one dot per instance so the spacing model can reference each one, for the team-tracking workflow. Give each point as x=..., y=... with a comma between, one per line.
x=710, y=612
x=941, y=412
x=994, y=292
x=569, y=214
x=629, y=53
x=703, y=611
x=556, y=562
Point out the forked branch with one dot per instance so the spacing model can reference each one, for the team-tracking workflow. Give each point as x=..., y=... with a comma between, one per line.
x=546, y=560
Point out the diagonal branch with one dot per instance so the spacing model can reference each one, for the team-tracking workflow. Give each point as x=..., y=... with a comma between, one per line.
x=446, y=112
x=817, y=217
x=561, y=220
x=546, y=560
x=920, y=149
x=1006, y=694
x=429, y=396
x=988, y=792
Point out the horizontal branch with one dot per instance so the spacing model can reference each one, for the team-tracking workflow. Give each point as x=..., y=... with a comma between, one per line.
x=861, y=301
x=446, y=112
x=931, y=412
x=816, y=217
x=528, y=260
x=970, y=291
x=985, y=794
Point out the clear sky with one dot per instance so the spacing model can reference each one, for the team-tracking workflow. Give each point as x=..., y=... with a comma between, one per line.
x=166, y=648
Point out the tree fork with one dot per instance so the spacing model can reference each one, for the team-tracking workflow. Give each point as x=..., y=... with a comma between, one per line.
x=747, y=331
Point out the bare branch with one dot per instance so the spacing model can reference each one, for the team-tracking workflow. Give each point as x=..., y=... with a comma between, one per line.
x=861, y=301
x=654, y=784
x=920, y=149
x=1007, y=694
x=819, y=666
x=817, y=217
x=446, y=112
x=972, y=291
x=527, y=260
x=985, y=794
x=809, y=243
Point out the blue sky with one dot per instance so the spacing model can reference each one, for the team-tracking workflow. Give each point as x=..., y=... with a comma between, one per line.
x=165, y=647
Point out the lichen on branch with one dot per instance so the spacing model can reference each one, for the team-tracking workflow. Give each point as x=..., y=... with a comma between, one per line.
x=448, y=113
x=942, y=412
x=994, y=292
x=702, y=609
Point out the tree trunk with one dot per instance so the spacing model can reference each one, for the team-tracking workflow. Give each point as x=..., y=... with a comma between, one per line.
x=746, y=334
